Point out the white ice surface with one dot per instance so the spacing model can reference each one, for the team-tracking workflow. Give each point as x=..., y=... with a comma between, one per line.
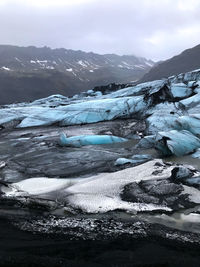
x=36, y=186
x=193, y=193
x=100, y=193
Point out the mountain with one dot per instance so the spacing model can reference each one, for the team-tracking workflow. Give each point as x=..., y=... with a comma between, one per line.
x=188, y=60
x=28, y=73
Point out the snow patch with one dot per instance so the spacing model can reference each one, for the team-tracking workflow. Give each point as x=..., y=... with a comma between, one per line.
x=50, y=67
x=18, y=59
x=5, y=68
x=97, y=194
x=149, y=64
x=82, y=63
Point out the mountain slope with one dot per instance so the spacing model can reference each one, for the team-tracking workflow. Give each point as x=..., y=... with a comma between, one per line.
x=188, y=60
x=28, y=73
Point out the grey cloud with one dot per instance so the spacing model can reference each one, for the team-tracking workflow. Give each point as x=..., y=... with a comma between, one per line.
x=150, y=28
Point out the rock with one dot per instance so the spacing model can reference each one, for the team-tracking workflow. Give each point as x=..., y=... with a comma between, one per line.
x=181, y=173
x=158, y=94
x=38, y=155
x=186, y=176
x=159, y=192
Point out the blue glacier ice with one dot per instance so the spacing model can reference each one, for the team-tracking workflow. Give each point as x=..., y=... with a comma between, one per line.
x=41, y=117
x=162, y=116
x=157, y=122
x=103, y=110
x=135, y=159
x=190, y=123
x=123, y=161
x=192, y=84
x=161, y=119
x=156, y=102
x=54, y=100
x=185, y=77
x=180, y=90
x=139, y=89
x=79, y=113
x=86, y=140
x=181, y=173
x=190, y=102
x=175, y=142
x=193, y=181
x=196, y=155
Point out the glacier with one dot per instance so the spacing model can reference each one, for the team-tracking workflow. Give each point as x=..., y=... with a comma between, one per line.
x=78, y=113
x=100, y=159
x=180, y=90
x=135, y=159
x=169, y=104
x=176, y=142
x=86, y=140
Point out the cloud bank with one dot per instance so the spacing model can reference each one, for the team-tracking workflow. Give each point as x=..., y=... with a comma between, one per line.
x=150, y=28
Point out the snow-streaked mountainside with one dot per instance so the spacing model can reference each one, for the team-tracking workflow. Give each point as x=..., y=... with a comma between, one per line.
x=28, y=73
x=32, y=58
x=188, y=60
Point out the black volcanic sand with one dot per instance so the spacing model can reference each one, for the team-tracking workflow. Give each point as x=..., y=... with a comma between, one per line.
x=21, y=248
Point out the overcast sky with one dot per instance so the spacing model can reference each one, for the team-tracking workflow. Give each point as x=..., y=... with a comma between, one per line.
x=155, y=29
